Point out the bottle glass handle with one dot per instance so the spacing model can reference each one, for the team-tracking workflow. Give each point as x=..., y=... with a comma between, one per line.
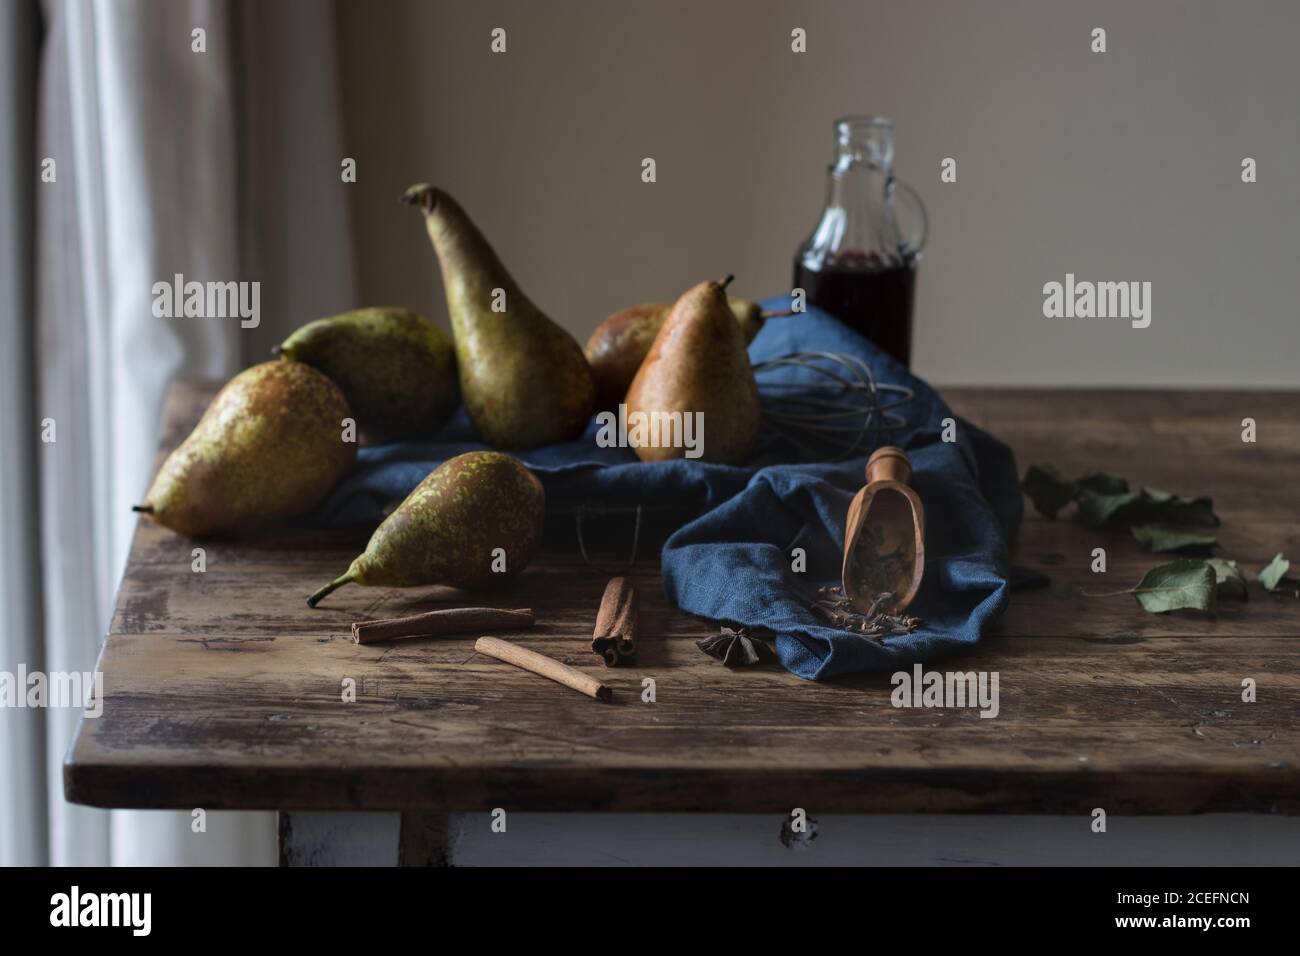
x=909, y=200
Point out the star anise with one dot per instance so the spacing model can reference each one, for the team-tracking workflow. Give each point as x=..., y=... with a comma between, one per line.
x=735, y=647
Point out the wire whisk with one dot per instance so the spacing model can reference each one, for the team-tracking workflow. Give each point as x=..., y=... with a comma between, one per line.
x=838, y=405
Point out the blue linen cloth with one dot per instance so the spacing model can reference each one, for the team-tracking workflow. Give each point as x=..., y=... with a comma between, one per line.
x=730, y=559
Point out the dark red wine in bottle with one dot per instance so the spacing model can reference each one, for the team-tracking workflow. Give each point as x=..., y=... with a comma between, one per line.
x=875, y=302
x=859, y=264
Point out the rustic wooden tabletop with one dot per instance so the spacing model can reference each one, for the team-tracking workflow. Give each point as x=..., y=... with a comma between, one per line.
x=222, y=689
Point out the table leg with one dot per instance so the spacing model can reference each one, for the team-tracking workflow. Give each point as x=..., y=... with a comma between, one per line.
x=414, y=838
x=424, y=839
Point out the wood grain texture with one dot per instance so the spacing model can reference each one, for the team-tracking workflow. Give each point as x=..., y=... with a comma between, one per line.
x=222, y=689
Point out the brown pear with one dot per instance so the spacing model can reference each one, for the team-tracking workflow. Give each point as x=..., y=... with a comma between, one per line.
x=271, y=445
x=620, y=344
x=697, y=364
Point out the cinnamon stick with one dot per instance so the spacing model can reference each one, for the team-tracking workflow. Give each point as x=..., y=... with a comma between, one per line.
x=452, y=620
x=543, y=666
x=614, y=638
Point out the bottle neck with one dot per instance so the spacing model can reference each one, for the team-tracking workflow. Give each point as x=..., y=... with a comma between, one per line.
x=864, y=142
x=864, y=192
x=858, y=228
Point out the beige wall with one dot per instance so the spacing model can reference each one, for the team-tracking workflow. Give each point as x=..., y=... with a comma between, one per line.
x=1120, y=166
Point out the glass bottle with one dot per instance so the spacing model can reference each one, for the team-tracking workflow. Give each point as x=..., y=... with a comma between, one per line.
x=860, y=262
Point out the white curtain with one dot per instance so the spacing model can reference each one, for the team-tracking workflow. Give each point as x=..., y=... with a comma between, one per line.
x=22, y=776
x=220, y=164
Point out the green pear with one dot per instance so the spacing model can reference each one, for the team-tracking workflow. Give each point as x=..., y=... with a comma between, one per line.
x=396, y=369
x=698, y=364
x=270, y=446
x=749, y=316
x=449, y=528
x=620, y=344
x=524, y=379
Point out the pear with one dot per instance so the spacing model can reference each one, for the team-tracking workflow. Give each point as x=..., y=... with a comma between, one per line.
x=524, y=379
x=448, y=528
x=749, y=316
x=620, y=344
x=396, y=369
x=698, y=363
x=271, y=445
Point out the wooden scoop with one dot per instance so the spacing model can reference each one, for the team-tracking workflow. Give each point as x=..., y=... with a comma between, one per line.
x=884, y=541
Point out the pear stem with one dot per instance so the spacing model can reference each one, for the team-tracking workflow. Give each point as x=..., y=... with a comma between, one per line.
x=422, y=195
x=776, y=315
x=142, y=509
x=726, y=282
x=331, y=588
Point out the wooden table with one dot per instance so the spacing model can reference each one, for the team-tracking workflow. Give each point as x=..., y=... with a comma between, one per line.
x=223, y=691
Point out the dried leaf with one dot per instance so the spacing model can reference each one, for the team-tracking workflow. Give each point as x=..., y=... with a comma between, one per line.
x=1180, y=584
x=1048, y=489
x=1107, y=499
x=1275, y=577
x=1160, y=538
x=1103, y=484
x=1150, y=505
x=1095, y=510
x=1161, y=506
x=1227, y=579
